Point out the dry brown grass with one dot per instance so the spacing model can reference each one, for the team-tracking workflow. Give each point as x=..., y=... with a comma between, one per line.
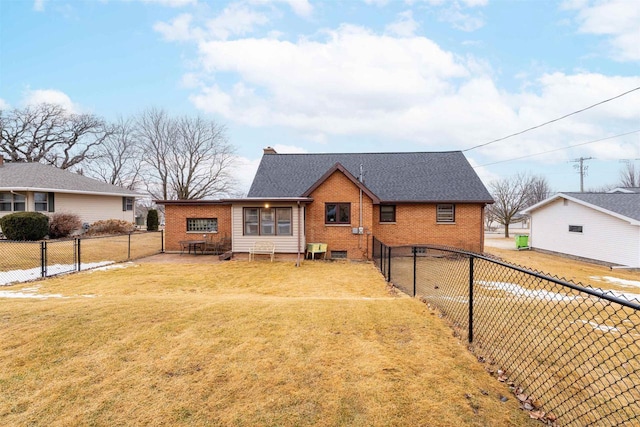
x=238, y=344
x=25, y=255
x=552, y=340
x=569, y=269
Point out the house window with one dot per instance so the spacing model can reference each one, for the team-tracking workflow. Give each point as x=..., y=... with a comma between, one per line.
x=338, y=255
x=41, y=202
x=387, y=213
x=267, y=222
x=575, y=229
x=337, y=213
x=12, y=202
x=446, y=213
x=202, y=225
x=127, y=203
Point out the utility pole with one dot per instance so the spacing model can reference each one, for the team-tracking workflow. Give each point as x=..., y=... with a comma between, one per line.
x=582, y=169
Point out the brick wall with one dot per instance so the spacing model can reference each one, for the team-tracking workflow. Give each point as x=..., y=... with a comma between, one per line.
x=176, y=222
x=339, y=189
x=416, y=224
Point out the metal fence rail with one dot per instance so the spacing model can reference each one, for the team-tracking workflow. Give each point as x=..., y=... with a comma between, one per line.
x=24, y=261
x=571, y=353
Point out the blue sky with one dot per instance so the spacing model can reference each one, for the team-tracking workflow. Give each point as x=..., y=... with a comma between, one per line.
x=350, y=75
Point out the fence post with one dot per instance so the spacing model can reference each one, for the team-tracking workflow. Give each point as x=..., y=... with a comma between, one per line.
x=43, y=259
x=79, y=257
x=389, y=265
x=471, y=299
x=129, y=248
x=161, y=241
x=415, y=251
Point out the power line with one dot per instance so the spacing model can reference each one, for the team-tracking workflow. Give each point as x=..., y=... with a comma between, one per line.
x=551, y=121
x=559, y=149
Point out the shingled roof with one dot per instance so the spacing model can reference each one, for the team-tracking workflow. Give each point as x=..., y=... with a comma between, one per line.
x=392, y=177
x=39, y=177
x=625, y=204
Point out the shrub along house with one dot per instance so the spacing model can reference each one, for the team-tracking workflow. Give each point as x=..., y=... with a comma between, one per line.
x=35, y=187
x=344, y=200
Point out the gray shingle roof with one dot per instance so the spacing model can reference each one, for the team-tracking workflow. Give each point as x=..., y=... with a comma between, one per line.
x=36, y=176
x=627, y=204
x=393, y=177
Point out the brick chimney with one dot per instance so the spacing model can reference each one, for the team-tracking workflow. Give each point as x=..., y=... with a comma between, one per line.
x=269, y=150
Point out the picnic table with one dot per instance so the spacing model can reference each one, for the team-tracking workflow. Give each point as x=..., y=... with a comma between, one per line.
x=190, y=245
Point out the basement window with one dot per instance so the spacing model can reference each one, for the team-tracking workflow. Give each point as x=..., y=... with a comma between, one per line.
x=338, y=255
x=575, y=229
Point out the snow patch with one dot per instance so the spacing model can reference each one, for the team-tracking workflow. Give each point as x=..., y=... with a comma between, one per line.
x=31, y=292
x=518, y=290
x=17, y=276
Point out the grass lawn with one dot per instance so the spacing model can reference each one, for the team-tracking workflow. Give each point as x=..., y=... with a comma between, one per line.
x=238, y=343
x=570, y=269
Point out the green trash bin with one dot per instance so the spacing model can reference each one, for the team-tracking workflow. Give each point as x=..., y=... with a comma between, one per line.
x=522, y=241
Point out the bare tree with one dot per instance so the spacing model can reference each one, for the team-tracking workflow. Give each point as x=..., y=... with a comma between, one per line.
x=156, y=134
x=47, y=133
x=537, y=190
x=629, y=175
x=188, y=158
x=118, y=159
x=511, y=196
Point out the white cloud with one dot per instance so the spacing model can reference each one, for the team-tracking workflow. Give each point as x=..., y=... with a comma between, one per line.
x=236, y=19
x=289, y=149
x=50, y=96
x=617, y=19
x=172, y=3
x=4, y=105
x=404, y=26
x=244, y=171
x=38, y=5
x=179, y=29
x=300, y=7
x=461, y=20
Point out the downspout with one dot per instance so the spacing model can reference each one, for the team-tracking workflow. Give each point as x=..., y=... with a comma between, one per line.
x=299, y=231
x=360, y=227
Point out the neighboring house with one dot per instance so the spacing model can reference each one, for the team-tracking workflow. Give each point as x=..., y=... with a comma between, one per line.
x=34, y=187
x=344, y=200
x=598, y=226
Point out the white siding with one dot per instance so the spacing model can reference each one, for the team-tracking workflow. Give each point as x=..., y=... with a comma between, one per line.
x=604, y=237
x=92, y=208
x=284, y=244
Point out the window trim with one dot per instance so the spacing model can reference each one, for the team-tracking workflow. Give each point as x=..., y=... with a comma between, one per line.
x=12, y=202
x=276, y=220
x=388, y=221
x=338, y=205
x=127, y=204
x=446, y=215
x=202, y=230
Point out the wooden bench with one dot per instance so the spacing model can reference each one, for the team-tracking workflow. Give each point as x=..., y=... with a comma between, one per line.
x=262, y=248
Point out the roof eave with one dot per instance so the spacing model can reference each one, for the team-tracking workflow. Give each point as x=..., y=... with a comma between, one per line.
x=60, y=190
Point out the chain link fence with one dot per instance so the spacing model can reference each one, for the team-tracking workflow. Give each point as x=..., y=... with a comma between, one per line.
x=570, y=353
x=25, y=261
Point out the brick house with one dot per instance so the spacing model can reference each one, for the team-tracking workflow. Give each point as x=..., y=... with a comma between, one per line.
x=344, y=200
